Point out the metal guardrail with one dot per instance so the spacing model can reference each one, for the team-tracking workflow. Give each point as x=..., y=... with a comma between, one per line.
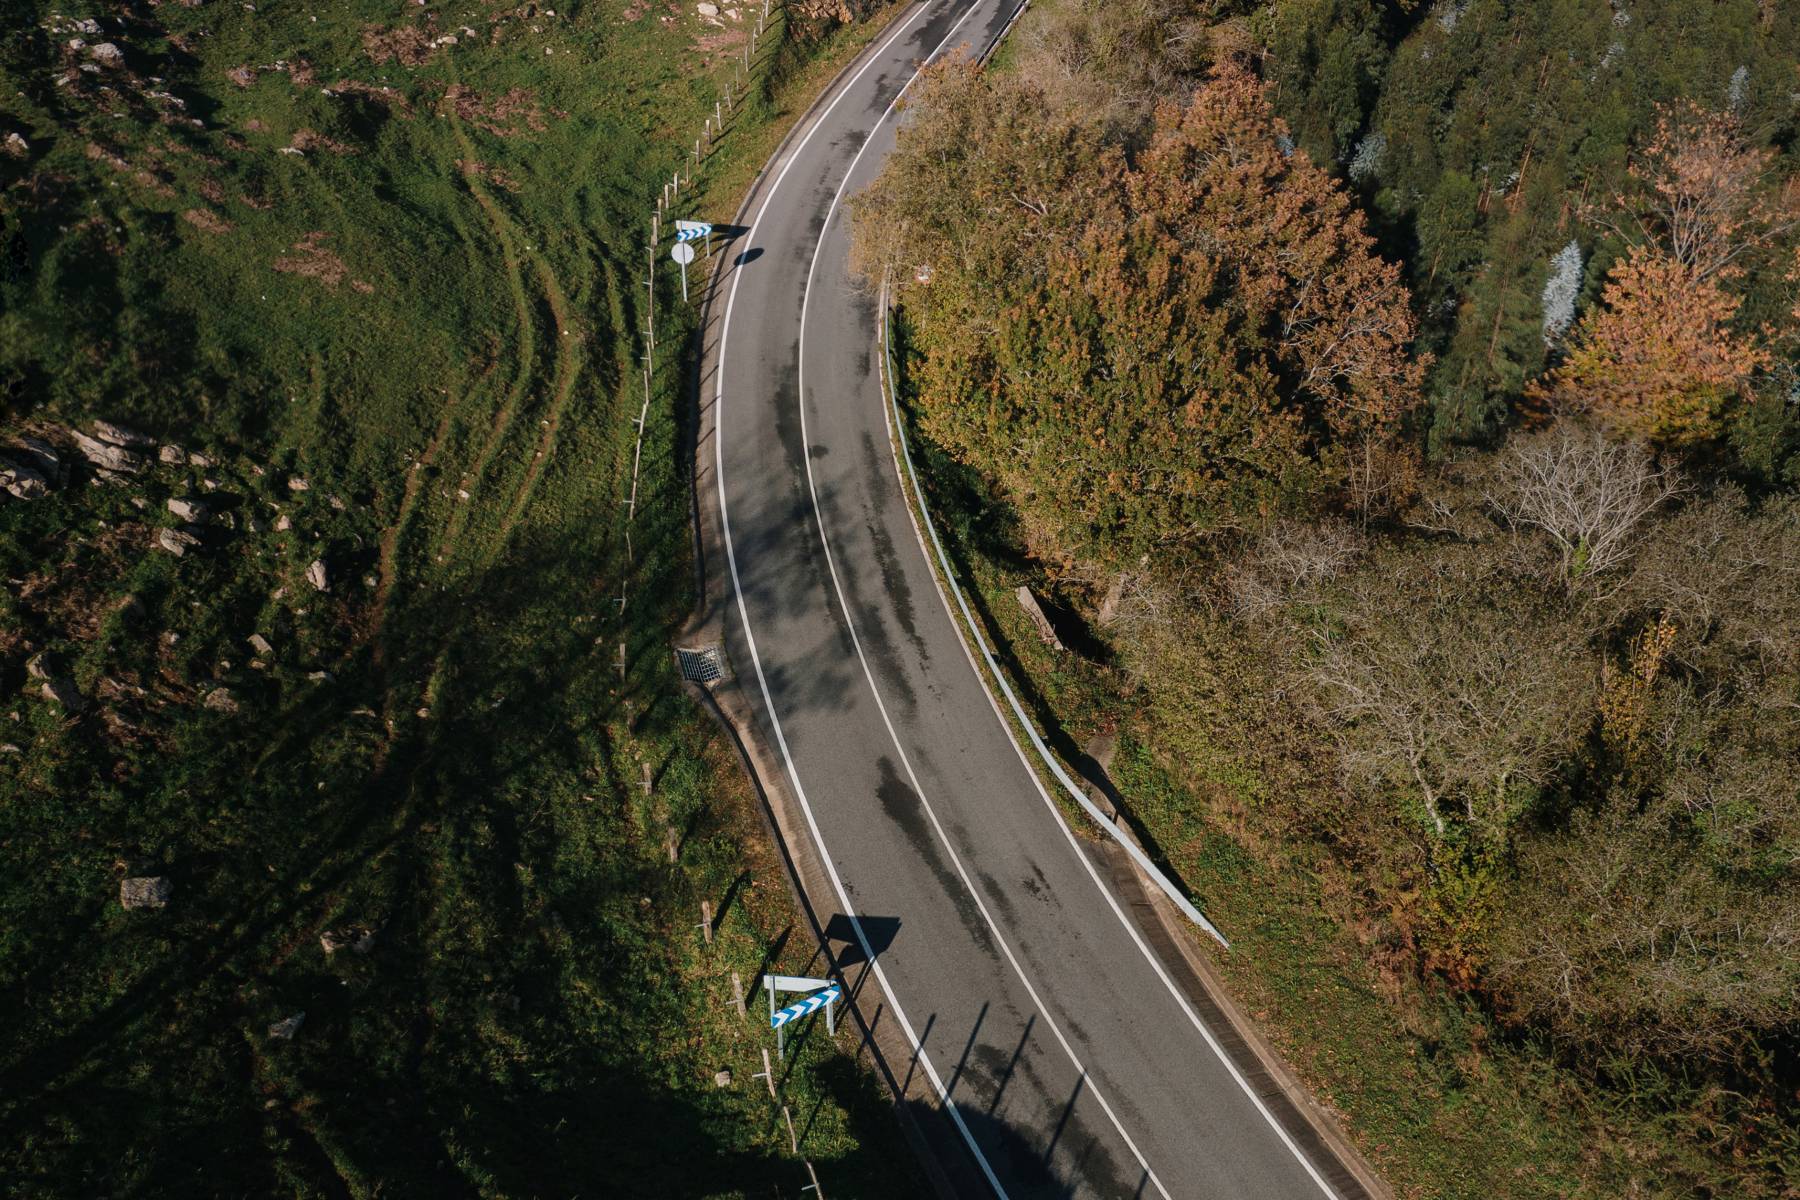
x=1162, y=881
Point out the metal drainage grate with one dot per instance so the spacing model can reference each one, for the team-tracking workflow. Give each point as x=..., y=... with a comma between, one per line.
x=704, y=664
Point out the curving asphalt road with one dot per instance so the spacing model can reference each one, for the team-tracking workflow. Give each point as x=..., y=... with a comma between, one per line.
x=1064, y=1058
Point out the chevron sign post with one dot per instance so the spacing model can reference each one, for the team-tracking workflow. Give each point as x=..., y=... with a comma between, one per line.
x=824, y=994
x=806, y=1007
x=693, y=231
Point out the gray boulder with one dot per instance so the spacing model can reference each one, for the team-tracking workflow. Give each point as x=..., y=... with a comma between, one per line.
x=261, y=645
x=285, y=1030
x=319, y=575
x=177, y=541
x=145, y=891
x=172, y=455
x=190, y=509
x=220, y=699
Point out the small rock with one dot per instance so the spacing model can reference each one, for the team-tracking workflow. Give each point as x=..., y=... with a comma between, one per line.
x=298, y=483
x=40, y=665
x=60, y=689
x=706, y=10
x=260, y=644
x=177, y=541
x=211, y=483
x=203, y=461
x=254, y=523
x=16, y=146
x=283, y=524
x=108, y=55
x=173, y=455
x=336, y=503
x=331, y=941
x=121, y=435
x=145, y=891
x=318, y=575
x=107, y=456
x=286, y=1029
x=722, y=1078
x=221, y=700
x=190, y=508
x=319, y=676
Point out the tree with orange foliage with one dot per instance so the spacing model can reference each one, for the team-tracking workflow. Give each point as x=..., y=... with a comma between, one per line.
x=1304, y=272
x=1658, y=360
x=1138, y=351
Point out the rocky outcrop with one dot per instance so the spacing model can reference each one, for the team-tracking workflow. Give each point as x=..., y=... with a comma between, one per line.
x=23, y=482
x=106, y=456
x=121, y=435
x=45, y=458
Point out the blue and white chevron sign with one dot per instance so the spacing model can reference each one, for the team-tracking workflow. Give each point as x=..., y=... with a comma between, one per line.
x=691, y=231
x=806, y=1007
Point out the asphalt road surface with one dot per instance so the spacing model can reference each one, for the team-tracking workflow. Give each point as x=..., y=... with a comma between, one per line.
x=1071, y=1064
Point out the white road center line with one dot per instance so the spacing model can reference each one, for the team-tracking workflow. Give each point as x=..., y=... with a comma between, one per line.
x=744, y=615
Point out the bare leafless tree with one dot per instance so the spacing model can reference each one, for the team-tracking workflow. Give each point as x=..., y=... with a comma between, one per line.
x=1465, y=694
x=1588, y=493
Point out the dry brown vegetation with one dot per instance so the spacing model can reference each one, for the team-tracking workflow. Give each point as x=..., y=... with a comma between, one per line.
x=510, y=114
x=409, y=45
x=312, y=260
x=205, y=221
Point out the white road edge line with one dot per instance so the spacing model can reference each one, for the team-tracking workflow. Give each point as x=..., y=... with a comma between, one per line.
x=744, y=615
x=898, y=441
x=875, y=692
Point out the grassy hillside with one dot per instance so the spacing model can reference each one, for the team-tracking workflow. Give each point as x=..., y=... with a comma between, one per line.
x=367, y=278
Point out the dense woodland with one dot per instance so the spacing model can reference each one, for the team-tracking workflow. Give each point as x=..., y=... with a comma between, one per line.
x=1412, y=394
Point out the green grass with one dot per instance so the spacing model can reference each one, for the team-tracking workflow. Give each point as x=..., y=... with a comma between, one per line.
x=538, y=1014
